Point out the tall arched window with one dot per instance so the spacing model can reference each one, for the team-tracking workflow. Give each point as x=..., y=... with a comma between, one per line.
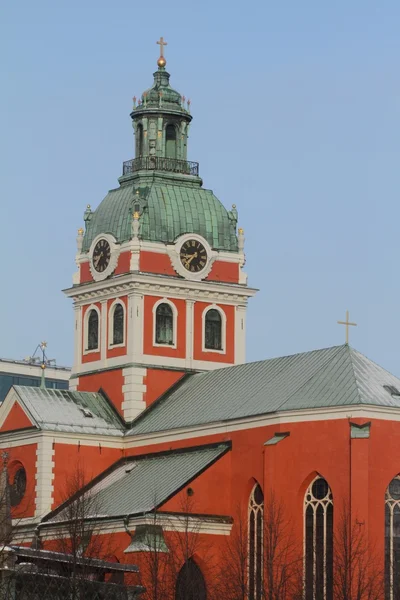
x=170, y=141
x=392, y=540
x=118, y=325
x=164, y=324
x=190, y=584
x=213, y=330
x=139, y=140
x=93, y=330
x=255, y=533
x=318, y=532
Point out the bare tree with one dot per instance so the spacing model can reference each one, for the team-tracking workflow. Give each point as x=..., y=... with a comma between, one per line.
x=281, y=570
x=357, y=575
x=282, y=577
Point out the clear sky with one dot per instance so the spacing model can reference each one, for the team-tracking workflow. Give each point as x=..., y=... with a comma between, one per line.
x=296, y=110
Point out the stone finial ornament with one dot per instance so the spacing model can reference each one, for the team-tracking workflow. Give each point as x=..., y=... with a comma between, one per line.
x=135, y=225
x=88, y=214
x=134, y=101
x=79, y=240
x=241, y=240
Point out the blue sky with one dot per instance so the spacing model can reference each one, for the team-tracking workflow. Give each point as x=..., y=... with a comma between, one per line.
x=296, y=120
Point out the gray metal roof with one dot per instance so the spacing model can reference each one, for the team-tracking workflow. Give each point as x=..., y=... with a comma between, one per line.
x=63, y=410
x=336, y=376
x=139, y=484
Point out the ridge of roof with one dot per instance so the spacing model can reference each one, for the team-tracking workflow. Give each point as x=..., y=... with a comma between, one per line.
x=325, y=378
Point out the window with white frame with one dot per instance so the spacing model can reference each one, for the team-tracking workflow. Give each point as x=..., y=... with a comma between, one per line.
x=392, y=540
x=255, y=534
x=164, y=324
x=118, y=324
x=92, y=330
x=213, y=330
x=318, y=541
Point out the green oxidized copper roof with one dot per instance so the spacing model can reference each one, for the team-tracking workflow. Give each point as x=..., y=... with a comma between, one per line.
x=168, y=211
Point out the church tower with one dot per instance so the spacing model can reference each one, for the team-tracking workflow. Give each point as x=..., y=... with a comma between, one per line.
x=160, y=289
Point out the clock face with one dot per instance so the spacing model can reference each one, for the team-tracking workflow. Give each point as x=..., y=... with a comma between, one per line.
x=193, y=256
x=101, y=255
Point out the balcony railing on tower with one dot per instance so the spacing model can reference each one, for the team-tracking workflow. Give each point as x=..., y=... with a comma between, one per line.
x=160, y=163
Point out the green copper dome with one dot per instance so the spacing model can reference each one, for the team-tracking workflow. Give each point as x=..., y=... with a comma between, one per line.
x=168, y=209
x=161, y=94
x=160, y=184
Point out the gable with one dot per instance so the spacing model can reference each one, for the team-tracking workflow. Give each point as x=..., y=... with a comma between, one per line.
x=16, y=419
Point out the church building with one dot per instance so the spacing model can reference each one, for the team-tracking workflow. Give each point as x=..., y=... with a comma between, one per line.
x=170, y=430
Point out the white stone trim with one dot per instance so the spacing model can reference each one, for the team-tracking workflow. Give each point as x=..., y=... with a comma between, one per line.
x=174, y=323
x=240, y=334
x=73, y=384
x=189, y=333
x=111, y=324
x=223, y=329
x=133, y=390
x=86, y=330
x=44, y=476
x=177, y=523
x=211, y=291
x=78, y=341
x=115, y=252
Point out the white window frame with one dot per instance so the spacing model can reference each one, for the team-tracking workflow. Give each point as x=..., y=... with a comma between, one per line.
x=86, y=330
x=174, y=323
x=223, y=329
x=111, y=324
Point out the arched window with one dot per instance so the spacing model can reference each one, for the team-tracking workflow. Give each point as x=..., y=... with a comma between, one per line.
x=93, y=330
x=170, y=141
x=392, y=540
x=255, y=533
x=139, y=140
x=164, y=324
x=18, y=486
x=190, y=584
x=318, y=532
x=118, y=325
x=213, y=330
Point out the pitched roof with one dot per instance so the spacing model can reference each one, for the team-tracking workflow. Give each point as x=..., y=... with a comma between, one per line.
x=137, y=485
x=336, y=376
x=63, y=410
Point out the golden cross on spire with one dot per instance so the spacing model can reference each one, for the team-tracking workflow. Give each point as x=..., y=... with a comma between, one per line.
x=161, y=43
x=348, y=324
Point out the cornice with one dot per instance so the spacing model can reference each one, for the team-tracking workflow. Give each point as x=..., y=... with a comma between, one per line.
x=162, y=285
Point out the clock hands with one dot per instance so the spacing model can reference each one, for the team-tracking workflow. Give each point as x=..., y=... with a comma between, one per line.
x=189, y=258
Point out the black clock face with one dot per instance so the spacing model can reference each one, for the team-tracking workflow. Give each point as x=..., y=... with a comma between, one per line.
x=101, y=255
x=193, y=256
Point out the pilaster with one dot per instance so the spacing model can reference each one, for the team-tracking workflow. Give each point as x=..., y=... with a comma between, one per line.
x=44, y=477
x=189, y=332
x=359, y=474
x=240, y=334
x=133, y=390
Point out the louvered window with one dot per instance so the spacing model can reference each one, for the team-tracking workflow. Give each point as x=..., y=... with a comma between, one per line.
x=213, y=330
x=164, y=324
